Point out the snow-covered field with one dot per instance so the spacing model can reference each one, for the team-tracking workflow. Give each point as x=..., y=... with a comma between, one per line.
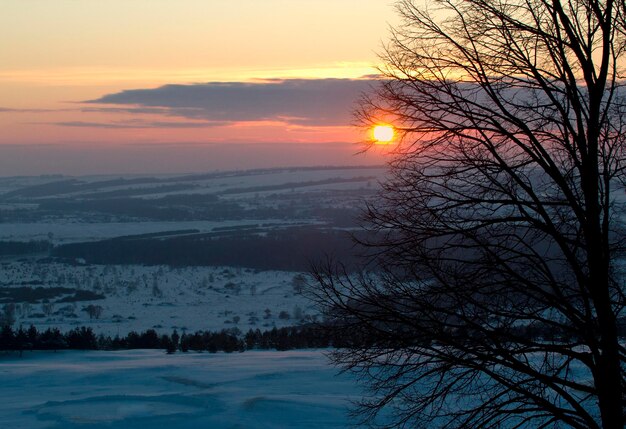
x=138, y=297
x=150, y=390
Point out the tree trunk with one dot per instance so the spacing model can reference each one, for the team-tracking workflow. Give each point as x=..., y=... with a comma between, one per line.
x=608, y=376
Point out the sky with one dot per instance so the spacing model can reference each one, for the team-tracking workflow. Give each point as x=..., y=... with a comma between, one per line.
x=168, y=86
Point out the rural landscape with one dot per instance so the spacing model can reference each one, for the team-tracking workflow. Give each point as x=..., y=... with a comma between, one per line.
x=404, y=214
x=189, y=252
x=176, y=264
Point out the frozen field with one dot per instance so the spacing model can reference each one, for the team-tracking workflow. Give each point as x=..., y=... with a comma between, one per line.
x=149, y=389
x=139, y=297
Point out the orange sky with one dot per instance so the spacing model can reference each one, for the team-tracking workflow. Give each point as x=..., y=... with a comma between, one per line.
x=58, y=54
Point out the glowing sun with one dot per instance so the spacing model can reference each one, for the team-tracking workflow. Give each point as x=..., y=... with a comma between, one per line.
x=383, y=133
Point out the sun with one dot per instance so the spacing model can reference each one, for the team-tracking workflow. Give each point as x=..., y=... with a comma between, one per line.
x=383, y=133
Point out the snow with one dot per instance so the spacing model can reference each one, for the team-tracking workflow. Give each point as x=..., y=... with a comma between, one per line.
x=141, y=297
x=149, y=389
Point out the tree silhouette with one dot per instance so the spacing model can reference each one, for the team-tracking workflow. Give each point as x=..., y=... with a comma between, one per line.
x=497, y=291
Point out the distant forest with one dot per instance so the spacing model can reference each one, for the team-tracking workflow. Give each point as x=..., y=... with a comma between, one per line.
x=290, y=249
x=231, y=340
x=24, y=247
x=251, y=246
x=227, y=340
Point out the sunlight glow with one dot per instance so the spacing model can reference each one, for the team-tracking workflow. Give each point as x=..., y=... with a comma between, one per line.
x=383, y=133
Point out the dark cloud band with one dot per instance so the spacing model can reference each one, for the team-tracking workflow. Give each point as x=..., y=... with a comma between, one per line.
x=138, y=124
x=312, y=102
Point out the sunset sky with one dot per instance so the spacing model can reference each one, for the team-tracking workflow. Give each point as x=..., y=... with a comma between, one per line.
x=150, y=86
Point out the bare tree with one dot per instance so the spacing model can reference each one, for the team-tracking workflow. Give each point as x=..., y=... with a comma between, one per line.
x=94, y=311
x=498, y=294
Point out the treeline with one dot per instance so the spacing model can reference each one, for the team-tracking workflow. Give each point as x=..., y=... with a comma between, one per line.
x=24, y=247
x=83, y=338
x=289, y=249
x=167, y=208
x=227, y=340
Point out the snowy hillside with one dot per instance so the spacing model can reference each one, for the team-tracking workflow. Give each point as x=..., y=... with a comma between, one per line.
x=149, y=389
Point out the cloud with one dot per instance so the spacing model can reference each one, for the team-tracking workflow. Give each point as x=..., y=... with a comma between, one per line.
x=309, y=102
x=12, y=110
x=137, y=124
x=137, y=110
